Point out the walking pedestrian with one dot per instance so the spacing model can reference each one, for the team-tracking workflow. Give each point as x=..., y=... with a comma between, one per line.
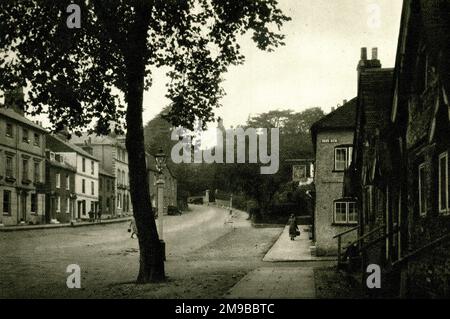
x=293, y=227
x=99, y=215
x=132, y=228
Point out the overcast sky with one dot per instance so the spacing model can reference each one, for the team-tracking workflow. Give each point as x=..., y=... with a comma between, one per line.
x=317, y=67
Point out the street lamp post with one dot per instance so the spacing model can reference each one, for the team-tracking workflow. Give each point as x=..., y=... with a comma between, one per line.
x=160, y=163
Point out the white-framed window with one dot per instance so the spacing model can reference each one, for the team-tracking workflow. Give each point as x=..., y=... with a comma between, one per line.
x=58, y=180
x=67, y=205
x=119, y=200
x=58, y=204
x=345, y=212
x=342, y=157
x=422, y=190
x=443, y=184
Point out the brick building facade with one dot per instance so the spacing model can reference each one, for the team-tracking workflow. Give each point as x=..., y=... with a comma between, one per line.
x=22, y=164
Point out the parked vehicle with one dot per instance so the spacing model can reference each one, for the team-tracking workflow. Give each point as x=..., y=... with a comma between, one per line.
x=173, y=210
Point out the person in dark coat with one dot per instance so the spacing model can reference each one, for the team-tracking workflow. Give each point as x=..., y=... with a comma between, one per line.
x=293, y=227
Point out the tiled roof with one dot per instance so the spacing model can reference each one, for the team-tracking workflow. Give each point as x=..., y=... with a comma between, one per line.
x=19, y=118
x=102, y=171
x=95, y=139
x=69, y=146
x=61, y=165
x=376, y=96
x=343, y=117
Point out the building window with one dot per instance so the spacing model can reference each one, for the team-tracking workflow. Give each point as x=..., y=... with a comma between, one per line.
x=58, y=204
x=67, y=205
x=299, y=173
x=37, y=139
x=34, y=203
x=37, y=172
x=9, y=167
x=58, y=180
x=422, y=190
x=92, y=188
x=25, y=169
x=67, y=181
x=9, y=130
x=119, y=200
x=342, y=158
x=83, y=164
x=443, y=184
x=83, y=186
x=25, y=138
x=345, y=212
x=92, y=167
x=6, y=202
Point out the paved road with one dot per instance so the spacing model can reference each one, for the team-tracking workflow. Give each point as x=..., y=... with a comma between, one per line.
x=33, y=263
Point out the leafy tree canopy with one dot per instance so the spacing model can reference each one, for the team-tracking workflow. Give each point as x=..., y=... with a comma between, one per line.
x=76, y=72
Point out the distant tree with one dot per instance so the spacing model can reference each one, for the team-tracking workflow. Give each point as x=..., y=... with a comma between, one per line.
x=96, y=74
x=295, y=142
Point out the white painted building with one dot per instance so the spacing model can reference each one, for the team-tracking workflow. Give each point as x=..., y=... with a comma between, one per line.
x=86, y=176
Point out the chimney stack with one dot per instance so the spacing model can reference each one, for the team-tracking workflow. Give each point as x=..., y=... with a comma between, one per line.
x=374, y=53
x=373, y=63
x=363, y=54
x=345, y=102
x=15, y=99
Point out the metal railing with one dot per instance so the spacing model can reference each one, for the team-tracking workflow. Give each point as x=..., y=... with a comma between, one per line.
x=420, y=250
x=339, y=238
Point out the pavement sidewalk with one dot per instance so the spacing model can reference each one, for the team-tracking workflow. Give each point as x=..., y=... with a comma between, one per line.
x=286, y=249
x=52, y=226
x=281, y=282
x=275, y=283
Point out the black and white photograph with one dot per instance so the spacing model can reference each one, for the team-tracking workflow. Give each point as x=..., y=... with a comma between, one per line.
x=208, y=151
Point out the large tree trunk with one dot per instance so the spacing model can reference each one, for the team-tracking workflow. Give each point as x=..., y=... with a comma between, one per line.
x=151, y=267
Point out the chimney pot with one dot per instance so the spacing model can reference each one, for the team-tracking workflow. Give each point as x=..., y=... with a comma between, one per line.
x=345, y=102
x=374, y=53
x=363, y=54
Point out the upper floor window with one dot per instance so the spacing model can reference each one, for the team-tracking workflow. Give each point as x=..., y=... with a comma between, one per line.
x=9, y=167
x=342, y=157
x=37, y=139
x=92, y=188
x=92, y=167
x=67, y=181
x=25, y=169
x=345, y=212
x=444, y=201
x=37, y=172
x=25, y=138
x=83, y=186
x=422, y=190
x=9, y=130
x=83, y=165
x=58, y=180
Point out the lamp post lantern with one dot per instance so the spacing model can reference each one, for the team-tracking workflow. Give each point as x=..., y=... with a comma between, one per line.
x=160, y=164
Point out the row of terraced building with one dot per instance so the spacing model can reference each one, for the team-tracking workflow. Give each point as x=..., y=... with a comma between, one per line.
x=382, y=163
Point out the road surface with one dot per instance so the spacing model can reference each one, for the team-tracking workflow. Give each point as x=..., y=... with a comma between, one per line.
x=33, y=263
